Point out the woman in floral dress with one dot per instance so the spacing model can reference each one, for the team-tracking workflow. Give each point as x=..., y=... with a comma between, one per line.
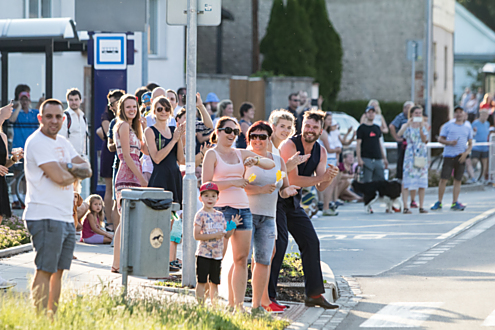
x=415, y=175
x=128, y=136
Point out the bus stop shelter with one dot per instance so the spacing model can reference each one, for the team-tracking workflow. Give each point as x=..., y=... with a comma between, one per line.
x=43, y=35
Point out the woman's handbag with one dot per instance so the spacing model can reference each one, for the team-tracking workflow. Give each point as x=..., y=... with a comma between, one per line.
x=419, y=162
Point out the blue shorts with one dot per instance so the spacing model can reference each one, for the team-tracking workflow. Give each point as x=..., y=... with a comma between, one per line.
x=247, y=217
x=263, y=239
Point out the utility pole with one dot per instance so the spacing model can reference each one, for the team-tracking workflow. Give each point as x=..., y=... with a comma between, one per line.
x=413, y=69
x=190, y=181
x=144, y=46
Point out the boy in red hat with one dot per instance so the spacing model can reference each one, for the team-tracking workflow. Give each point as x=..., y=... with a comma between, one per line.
x=210, y=227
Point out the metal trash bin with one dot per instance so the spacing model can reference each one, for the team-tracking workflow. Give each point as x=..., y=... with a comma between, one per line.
x=145, y=232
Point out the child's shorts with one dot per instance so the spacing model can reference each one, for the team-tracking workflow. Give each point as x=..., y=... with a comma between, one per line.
x=207, y=268
x=95, y=239
x=176, y=233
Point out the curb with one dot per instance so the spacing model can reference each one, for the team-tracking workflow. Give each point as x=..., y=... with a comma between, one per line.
x=464, y=188
x=9, y=252
x=331, y=295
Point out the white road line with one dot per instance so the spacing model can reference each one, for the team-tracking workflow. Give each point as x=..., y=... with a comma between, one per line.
x=489, y=321
x=402, y=315
x=425, y=258
x=468, y=223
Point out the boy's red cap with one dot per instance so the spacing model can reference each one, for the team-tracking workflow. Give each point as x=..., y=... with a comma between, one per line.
x=208, y=186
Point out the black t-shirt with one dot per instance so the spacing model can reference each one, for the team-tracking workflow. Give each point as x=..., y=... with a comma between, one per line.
x=370, y=137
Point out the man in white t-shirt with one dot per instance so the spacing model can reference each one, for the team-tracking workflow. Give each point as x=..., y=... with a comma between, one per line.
x=51, y=166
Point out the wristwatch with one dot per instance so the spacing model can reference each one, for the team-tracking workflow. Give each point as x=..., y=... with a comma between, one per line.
x=69, y=167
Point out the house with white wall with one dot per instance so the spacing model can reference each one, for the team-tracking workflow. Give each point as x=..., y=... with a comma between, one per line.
x=166, y=51
x=474, y=45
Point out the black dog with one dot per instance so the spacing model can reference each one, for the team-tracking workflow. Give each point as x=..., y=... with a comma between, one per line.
x=387, y=191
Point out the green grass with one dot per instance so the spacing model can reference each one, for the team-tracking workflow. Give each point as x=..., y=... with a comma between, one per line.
x=13, y=233
x=110, y=311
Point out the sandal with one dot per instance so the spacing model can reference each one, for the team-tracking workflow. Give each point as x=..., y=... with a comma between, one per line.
x=406, y=211
x=422, y=210
x=115, y=270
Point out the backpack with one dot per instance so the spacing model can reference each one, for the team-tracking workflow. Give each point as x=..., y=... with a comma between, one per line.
x=69, y=124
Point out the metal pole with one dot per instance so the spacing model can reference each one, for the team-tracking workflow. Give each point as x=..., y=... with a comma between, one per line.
x=413, y=72
x=429, y=71
x=144, y=47
x=190, y=181
x=49, y=69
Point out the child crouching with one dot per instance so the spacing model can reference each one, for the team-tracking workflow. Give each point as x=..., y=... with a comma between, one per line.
x=210, y=227
x=92, y=223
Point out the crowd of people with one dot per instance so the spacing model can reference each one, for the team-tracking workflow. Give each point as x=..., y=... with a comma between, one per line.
x=250, y=178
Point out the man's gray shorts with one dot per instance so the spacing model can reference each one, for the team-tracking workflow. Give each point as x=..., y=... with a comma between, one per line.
x=373, y=170
x=54, y=242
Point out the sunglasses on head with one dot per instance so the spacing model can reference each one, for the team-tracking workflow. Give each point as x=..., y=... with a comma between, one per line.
x=230, y=130
x=261, y=137
x=160, y=109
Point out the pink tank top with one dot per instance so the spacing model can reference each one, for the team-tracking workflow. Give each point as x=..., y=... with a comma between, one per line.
x=234, y=197
x=87, y=232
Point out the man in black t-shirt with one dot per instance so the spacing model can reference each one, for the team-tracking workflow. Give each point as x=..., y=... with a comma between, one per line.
x=369, y=150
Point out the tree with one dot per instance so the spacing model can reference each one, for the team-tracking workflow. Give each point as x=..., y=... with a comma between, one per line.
x=328, y=61
x=288, y=44
x=484, y=10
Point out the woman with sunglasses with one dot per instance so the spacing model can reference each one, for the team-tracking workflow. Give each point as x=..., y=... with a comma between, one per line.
x=263, y=194
x=128, y=139
x=225, y=166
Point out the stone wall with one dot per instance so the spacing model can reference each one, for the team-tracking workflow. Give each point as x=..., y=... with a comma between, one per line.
x=373, y=33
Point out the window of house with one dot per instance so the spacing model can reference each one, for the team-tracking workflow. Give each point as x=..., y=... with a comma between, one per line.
x=39, y=8
x=153, y=27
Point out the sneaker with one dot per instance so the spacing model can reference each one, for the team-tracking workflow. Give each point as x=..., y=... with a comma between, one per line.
x=258, y=311
x=274, y=308
x=339, y=203
x=457, y=206
x=330, y=213
x=4, y=284
x=279, y=305
x=414, y=205
x=173, y=268
x=472, y=180
x=437, y=206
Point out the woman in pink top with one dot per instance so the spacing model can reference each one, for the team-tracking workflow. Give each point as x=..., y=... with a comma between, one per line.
x=224, y=166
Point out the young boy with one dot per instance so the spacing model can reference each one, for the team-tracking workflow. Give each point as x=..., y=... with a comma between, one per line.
x=210, y=227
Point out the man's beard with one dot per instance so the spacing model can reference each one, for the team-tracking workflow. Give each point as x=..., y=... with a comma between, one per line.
x=310, y=137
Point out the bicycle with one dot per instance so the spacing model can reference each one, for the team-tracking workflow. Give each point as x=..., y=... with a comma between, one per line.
x=437, y=163
x=19, y=183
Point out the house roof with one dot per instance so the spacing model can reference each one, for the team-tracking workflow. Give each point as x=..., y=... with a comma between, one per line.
x=473, y=40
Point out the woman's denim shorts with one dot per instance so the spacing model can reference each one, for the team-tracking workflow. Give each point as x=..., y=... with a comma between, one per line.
x=247, y=217
x=263, y=239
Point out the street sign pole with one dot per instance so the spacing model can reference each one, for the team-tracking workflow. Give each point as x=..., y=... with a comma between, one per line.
x=413, y=73
x=190, y=181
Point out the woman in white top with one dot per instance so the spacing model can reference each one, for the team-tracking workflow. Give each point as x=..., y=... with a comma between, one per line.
x=379, y=120
x=263, y=190
x=331, y=140
x=225, y=109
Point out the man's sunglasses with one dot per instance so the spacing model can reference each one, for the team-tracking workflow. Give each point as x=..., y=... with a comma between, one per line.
x=160, y=109
x=261, y=137
x=110, y=104
x=230, y=130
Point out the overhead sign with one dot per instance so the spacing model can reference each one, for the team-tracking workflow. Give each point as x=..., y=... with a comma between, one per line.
x=110, y=51
x=110, y=15
x=209, y=12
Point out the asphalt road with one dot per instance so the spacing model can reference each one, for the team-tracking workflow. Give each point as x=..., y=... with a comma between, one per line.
x=357, y=243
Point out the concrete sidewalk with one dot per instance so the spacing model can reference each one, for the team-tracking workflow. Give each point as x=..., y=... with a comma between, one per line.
x=92, y=267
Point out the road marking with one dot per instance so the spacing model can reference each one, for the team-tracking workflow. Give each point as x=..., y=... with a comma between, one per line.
x=370, y=236
x=468, y=223
x=489, y=321
x=402, y=315
x=425, y=258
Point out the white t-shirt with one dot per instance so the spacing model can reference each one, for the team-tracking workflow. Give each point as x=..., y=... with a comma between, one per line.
x=45, y=199
x=78, y=131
